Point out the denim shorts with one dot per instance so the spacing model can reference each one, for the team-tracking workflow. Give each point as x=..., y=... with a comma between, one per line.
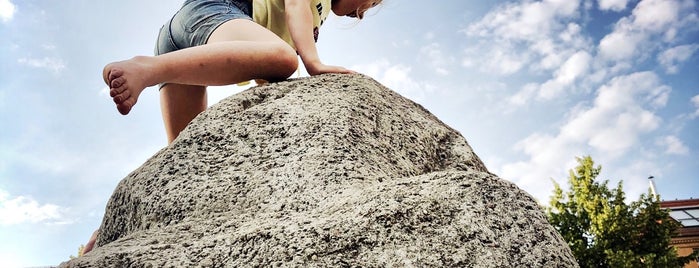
x=196, y=20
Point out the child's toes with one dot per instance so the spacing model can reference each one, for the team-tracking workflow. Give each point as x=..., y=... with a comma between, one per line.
x=119, y=98
x=115, y=73
x=117, y=82
x=123, y=108
x=117, y=90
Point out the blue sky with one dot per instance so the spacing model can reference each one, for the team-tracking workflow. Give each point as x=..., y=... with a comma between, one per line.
x=530, y=84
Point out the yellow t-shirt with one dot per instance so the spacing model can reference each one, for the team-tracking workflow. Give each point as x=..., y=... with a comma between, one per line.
x=270, y=14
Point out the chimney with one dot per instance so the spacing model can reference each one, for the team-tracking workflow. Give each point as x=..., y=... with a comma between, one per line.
x=652, y=186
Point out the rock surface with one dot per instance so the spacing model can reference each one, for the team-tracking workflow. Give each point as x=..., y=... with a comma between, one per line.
x=333, y=170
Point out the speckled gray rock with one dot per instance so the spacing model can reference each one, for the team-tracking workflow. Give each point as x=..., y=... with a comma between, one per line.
x=333, y=170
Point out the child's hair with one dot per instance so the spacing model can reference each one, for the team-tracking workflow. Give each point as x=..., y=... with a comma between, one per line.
x=377, y=3
x=358, y=11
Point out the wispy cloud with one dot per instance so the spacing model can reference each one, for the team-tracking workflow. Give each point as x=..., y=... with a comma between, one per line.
x=622, y=111
x=672, y=145
x=541, y=37
x=502, y=60
x=397, y=77
x=672, y=57
x=695, y=101
x=573, y=69
x=52, y=64
x=546, y=39
x=23, y=209
x=528, y=20
x=630, y=39
x=7, y=10
x=538, y=34
x=613, y=5
x=621, y=44
x=657, y=15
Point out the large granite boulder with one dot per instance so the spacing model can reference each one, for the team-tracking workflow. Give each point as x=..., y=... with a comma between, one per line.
x=332, y=170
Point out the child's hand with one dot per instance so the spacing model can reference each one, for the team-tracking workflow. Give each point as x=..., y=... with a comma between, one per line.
x=320, y=68
x=300, y=22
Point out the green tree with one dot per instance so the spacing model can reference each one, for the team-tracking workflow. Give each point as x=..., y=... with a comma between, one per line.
x=603, y=230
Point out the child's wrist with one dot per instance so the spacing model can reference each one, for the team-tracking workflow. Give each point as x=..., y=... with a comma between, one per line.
x=312, y=65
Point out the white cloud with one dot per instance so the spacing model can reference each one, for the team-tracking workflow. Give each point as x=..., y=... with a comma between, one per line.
x=695, y=101
x=656, y=15
x=573, y=69
x=523, y=96
x=649, y=18
x=618, y=116
x=611, y=126
x=614, y=5
x=396, y=77
x=673, y=145
x=527, y=21
x=672, y=57
x=551, y=43
x=24, y=209
x=7, y=10
x=54, y=65
x=549, y=158
x=620, y=44
x=537, y=34
x=504, y=61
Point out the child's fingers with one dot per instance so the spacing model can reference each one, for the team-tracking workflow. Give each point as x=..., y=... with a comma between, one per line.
x=342, y=70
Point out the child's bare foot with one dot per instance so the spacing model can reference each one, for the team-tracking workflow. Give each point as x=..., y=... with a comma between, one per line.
x=126, y=80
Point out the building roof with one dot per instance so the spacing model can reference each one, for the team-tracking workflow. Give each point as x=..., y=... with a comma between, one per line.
x=685, y=211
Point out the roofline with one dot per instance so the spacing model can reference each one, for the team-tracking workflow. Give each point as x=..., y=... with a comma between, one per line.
x=679, y=203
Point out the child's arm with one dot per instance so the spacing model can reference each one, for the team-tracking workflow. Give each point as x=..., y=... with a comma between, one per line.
x=300, y=22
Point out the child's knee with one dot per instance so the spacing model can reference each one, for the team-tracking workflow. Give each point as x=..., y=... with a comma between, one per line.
x=281, y=62
x=287, y=60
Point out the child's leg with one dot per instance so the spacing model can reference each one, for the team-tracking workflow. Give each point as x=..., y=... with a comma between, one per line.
x=237, y=51
x=179, y=105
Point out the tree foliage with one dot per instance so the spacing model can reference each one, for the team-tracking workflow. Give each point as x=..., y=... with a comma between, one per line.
x=603, y=230
x=81, y=248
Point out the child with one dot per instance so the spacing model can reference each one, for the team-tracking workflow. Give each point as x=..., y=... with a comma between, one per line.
x=223, y=42
x=217, y=42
